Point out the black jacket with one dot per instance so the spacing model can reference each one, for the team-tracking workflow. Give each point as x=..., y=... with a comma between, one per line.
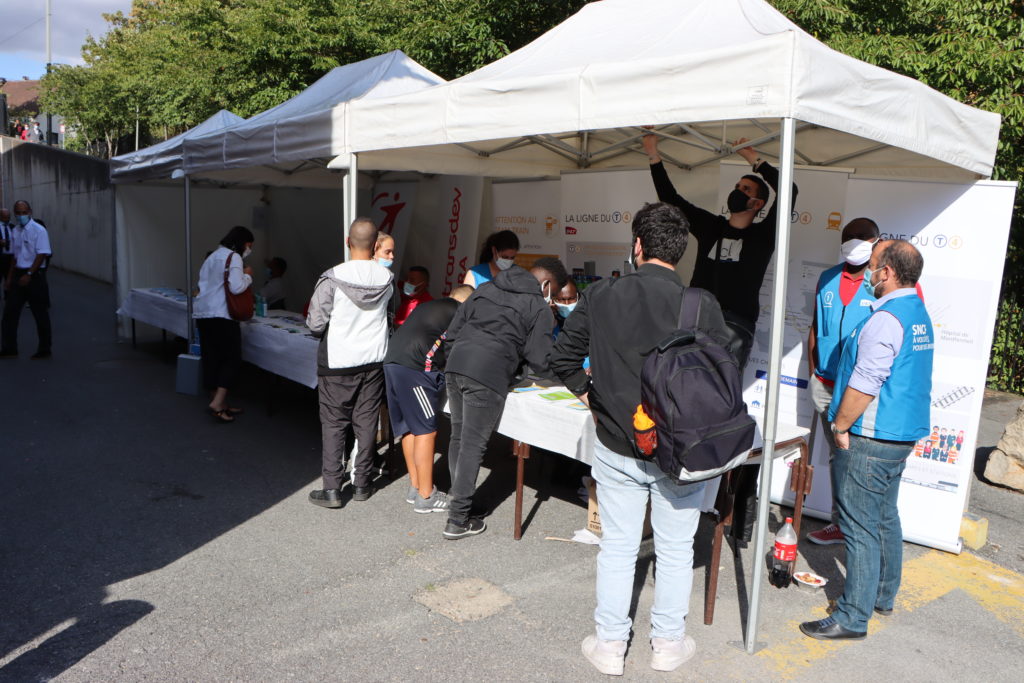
x=736, y=283
x=618, y=322
x=504, y=322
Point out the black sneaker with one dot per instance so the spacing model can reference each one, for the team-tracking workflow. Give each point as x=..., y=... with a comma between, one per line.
x=328, y=498
x=472, y=527
x=361, y=493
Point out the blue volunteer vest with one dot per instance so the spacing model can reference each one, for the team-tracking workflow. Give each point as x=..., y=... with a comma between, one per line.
x=482, y=273
x=901, y=411
x=835, y=321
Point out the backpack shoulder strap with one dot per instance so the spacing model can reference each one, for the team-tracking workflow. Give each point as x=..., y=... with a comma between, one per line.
x=689, y=309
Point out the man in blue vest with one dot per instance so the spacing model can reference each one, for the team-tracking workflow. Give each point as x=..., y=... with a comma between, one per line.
x=841, y=303
x=880, y=408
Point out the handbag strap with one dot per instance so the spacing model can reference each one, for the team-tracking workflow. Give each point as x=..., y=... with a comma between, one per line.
x=227, y=268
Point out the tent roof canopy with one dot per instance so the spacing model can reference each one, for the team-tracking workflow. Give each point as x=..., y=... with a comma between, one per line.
x=290, y=138
x=163, y=158
x=702, y=71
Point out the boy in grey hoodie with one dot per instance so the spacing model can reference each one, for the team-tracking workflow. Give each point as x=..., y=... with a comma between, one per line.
x=349, y=315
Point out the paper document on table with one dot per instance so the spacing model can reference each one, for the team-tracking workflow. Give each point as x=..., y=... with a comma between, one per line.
x=558, y=396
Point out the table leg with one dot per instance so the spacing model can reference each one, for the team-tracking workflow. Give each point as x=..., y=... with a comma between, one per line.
x=521, y=451
x=803, y=486
x=724, y=503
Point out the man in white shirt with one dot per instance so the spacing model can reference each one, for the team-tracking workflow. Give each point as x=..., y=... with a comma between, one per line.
x=26, y=283
x=349, y=314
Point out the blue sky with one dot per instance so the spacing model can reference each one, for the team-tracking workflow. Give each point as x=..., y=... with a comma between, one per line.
x=23, y=34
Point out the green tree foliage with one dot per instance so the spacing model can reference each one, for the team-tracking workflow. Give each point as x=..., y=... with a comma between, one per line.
x=179, y=61
x=973, y=51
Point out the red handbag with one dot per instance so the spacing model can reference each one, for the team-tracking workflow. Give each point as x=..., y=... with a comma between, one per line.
x=240, y=306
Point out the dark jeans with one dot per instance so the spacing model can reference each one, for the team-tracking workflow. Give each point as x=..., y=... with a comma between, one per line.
x=349, y=401
x=866, y=486
x=475, y=411
x=221, y=343
x=37, y=296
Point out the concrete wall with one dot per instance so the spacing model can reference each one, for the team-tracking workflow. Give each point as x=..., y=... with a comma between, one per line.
x=72, y=194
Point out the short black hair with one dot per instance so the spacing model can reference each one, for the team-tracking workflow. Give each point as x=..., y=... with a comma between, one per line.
x=237, y=238
x=281, y=264
x=904, y=258
x=555, y=267
x=762, y=187
x=663, y=231
x=420, y=269
x=501, y=240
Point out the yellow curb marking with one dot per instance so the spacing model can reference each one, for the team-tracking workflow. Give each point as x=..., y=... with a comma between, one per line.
x=925, y=579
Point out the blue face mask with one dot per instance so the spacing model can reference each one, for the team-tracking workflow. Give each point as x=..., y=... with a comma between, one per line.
x=866, y=284
x=24, y=219
x=408, y=289
x=386, y=262
x=565, y=309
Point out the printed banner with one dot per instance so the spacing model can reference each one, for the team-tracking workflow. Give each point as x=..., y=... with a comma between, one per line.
x=391, y=209
x=597, y=212
x=530, y=210
x=456, y=225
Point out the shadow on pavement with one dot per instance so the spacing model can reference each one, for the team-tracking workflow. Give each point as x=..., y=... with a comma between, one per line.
x=110, y=475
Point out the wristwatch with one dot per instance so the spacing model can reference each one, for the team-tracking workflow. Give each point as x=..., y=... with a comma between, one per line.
x=757, y=162
x=836, y=430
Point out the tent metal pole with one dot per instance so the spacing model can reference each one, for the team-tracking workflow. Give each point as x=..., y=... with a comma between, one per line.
x=784, y=207
x=351, y=194
x=188, y=259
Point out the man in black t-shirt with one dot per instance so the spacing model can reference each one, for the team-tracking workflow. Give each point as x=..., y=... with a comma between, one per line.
x=414, y=376
x=732, y=253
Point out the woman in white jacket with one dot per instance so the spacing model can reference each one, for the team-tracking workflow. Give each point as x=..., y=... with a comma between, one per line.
x=219, y=335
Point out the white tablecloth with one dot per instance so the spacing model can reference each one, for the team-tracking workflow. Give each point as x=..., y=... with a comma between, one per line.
x=161, y=307
x=278, y=343
x=557, y=427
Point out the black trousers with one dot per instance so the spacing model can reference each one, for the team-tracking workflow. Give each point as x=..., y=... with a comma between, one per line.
x=745, y=505
x=37, y=295
x=475, y=411
x=221, y=343
x=349, y=401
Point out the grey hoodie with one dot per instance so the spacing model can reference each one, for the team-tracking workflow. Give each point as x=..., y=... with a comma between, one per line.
x=348, y=313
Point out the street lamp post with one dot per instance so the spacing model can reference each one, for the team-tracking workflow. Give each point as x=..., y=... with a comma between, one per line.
x=50, y=139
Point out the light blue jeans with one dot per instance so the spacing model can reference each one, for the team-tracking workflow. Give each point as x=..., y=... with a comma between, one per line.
x=623, y=487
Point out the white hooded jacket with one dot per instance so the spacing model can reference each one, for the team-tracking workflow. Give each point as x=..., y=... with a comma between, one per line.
x=349, y=314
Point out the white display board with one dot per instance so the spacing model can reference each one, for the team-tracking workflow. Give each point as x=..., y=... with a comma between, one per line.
x=597, y=214
x=391, y=208
x=530, y=210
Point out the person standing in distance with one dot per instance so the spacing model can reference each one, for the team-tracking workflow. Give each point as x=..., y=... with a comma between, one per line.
x=25, y=283
x=840, y=304
x=6, y=246
x=619, y=322
x=349, y=315
x=880, y=408
x=498, y=254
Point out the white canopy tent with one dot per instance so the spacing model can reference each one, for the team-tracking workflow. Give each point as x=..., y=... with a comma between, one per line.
x=703, y=72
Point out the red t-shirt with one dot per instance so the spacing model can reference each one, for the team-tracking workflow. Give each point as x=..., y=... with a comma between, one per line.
x=408, y=303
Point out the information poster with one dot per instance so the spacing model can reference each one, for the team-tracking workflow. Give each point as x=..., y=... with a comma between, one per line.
x=530, y=210
x=456, y=222
x=391, y=209
x=597, y=214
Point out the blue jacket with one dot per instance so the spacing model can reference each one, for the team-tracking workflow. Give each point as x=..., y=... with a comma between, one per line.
x=901, y=411
x=834, y=320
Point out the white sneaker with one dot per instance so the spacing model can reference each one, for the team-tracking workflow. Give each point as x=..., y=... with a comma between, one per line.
x=607, y=656
x=669, y=655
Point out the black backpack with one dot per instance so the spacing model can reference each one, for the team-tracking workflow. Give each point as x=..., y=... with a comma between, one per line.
x=692, y=388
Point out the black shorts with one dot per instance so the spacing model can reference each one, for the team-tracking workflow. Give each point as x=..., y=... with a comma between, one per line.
x=414, y=398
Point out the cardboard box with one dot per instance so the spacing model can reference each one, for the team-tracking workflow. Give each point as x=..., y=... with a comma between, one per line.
x=594, y=516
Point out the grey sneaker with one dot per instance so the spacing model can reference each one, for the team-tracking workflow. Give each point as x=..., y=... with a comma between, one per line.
x=472, y=527
x=437, y=502
x=413, y=494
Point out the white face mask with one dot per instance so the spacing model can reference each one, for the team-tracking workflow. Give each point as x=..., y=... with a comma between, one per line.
x=246, y=253
x=547, y=297
x=856, y=252
x=504, y=263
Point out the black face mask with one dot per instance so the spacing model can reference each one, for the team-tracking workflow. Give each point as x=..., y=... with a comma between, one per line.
x=737, y=201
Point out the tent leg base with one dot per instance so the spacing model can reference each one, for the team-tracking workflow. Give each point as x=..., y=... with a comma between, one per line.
x=740, y=645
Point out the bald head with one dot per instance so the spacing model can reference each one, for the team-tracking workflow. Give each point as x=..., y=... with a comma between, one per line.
x=362, y=236
x=861, y=229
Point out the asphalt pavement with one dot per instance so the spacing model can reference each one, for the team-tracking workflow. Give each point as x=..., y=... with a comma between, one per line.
x=141, y=541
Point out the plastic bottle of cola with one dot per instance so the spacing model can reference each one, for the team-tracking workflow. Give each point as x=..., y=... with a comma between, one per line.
x=783, y=556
